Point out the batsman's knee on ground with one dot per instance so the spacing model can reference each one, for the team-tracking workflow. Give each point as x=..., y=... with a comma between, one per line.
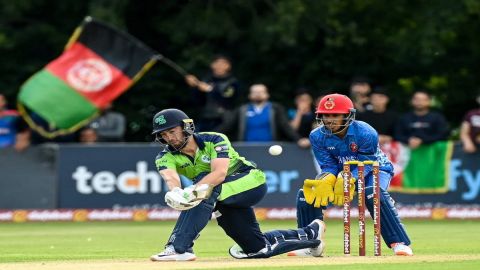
x=282, y=241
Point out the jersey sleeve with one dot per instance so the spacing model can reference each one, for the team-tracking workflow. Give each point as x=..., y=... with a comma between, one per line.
x=164, y=160
x=324, y=159
x=221, y=147
x=367, y=145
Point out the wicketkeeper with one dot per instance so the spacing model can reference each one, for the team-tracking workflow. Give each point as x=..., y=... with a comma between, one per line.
x=224, y=183
x=341, y=138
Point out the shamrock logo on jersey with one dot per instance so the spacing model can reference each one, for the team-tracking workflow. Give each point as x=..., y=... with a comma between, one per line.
x=205, y=159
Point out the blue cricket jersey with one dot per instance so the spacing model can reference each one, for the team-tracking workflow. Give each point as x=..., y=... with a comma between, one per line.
x=360, y=143
x=258, y=127
x=8, y=131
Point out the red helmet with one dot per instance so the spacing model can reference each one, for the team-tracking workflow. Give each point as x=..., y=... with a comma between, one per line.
x=335, y=104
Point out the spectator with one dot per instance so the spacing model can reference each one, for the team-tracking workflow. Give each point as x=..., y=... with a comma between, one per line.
x=88, y=135
x=421, y=126
x=260, y=120
x=302, y=117
x=216, y=94
x=470, y=130
x=38, y=138
x=359, y=93
x=11, y=133
x=8, y=120
x=380, y=117
x=110, y=126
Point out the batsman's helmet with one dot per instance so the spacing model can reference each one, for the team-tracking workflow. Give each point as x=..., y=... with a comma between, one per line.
x=170, y=118
x=336, y=104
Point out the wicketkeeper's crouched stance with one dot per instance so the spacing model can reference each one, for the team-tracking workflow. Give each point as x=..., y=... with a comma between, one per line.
x=341, y=138
x=225, y=184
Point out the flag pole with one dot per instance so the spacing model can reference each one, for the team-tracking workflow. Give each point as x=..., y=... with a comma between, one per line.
x=171, y=64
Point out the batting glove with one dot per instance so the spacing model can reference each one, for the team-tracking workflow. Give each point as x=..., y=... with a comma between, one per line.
x=180, y=199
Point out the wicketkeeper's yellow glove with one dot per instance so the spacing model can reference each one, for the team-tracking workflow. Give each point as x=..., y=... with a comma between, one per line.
x=338, y=190
x=319, y=191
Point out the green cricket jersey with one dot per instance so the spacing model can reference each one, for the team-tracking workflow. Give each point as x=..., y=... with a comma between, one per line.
x=213, y=145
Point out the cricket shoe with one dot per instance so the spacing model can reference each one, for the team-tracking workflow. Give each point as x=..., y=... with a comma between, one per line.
x=304, y=252
x=400, y=249
x=169, y=254
x=318, y=226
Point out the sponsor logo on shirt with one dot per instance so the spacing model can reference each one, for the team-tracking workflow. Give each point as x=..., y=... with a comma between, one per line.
x=342, y=160
x=221, y=148
x=420, y=125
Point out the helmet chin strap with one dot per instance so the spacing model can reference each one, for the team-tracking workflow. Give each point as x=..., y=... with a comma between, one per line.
x=185, y=141
x=188, y=130
x=328, y=131
x=348, y=121
x=345, y=126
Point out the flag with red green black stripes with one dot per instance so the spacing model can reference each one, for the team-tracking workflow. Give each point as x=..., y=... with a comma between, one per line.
x=98, y=64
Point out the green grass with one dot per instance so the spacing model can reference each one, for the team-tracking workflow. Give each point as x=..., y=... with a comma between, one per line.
x=456, y=265
x=58, y=241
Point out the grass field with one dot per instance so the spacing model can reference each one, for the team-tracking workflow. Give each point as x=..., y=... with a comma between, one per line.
x=128, y=245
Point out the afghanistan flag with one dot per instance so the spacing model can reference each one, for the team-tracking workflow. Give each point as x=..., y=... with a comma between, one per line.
x=98, y=64
x=421, y=170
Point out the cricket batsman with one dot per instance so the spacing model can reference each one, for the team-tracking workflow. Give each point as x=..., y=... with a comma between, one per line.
x=341, y=138
x=225, y=184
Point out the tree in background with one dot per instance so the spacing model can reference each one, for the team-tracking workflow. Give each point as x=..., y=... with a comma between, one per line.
x=403, y=45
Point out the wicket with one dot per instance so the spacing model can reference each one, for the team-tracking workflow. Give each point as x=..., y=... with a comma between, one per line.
x=361, y=206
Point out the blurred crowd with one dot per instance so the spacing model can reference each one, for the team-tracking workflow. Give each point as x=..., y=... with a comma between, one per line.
x=219, y=96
